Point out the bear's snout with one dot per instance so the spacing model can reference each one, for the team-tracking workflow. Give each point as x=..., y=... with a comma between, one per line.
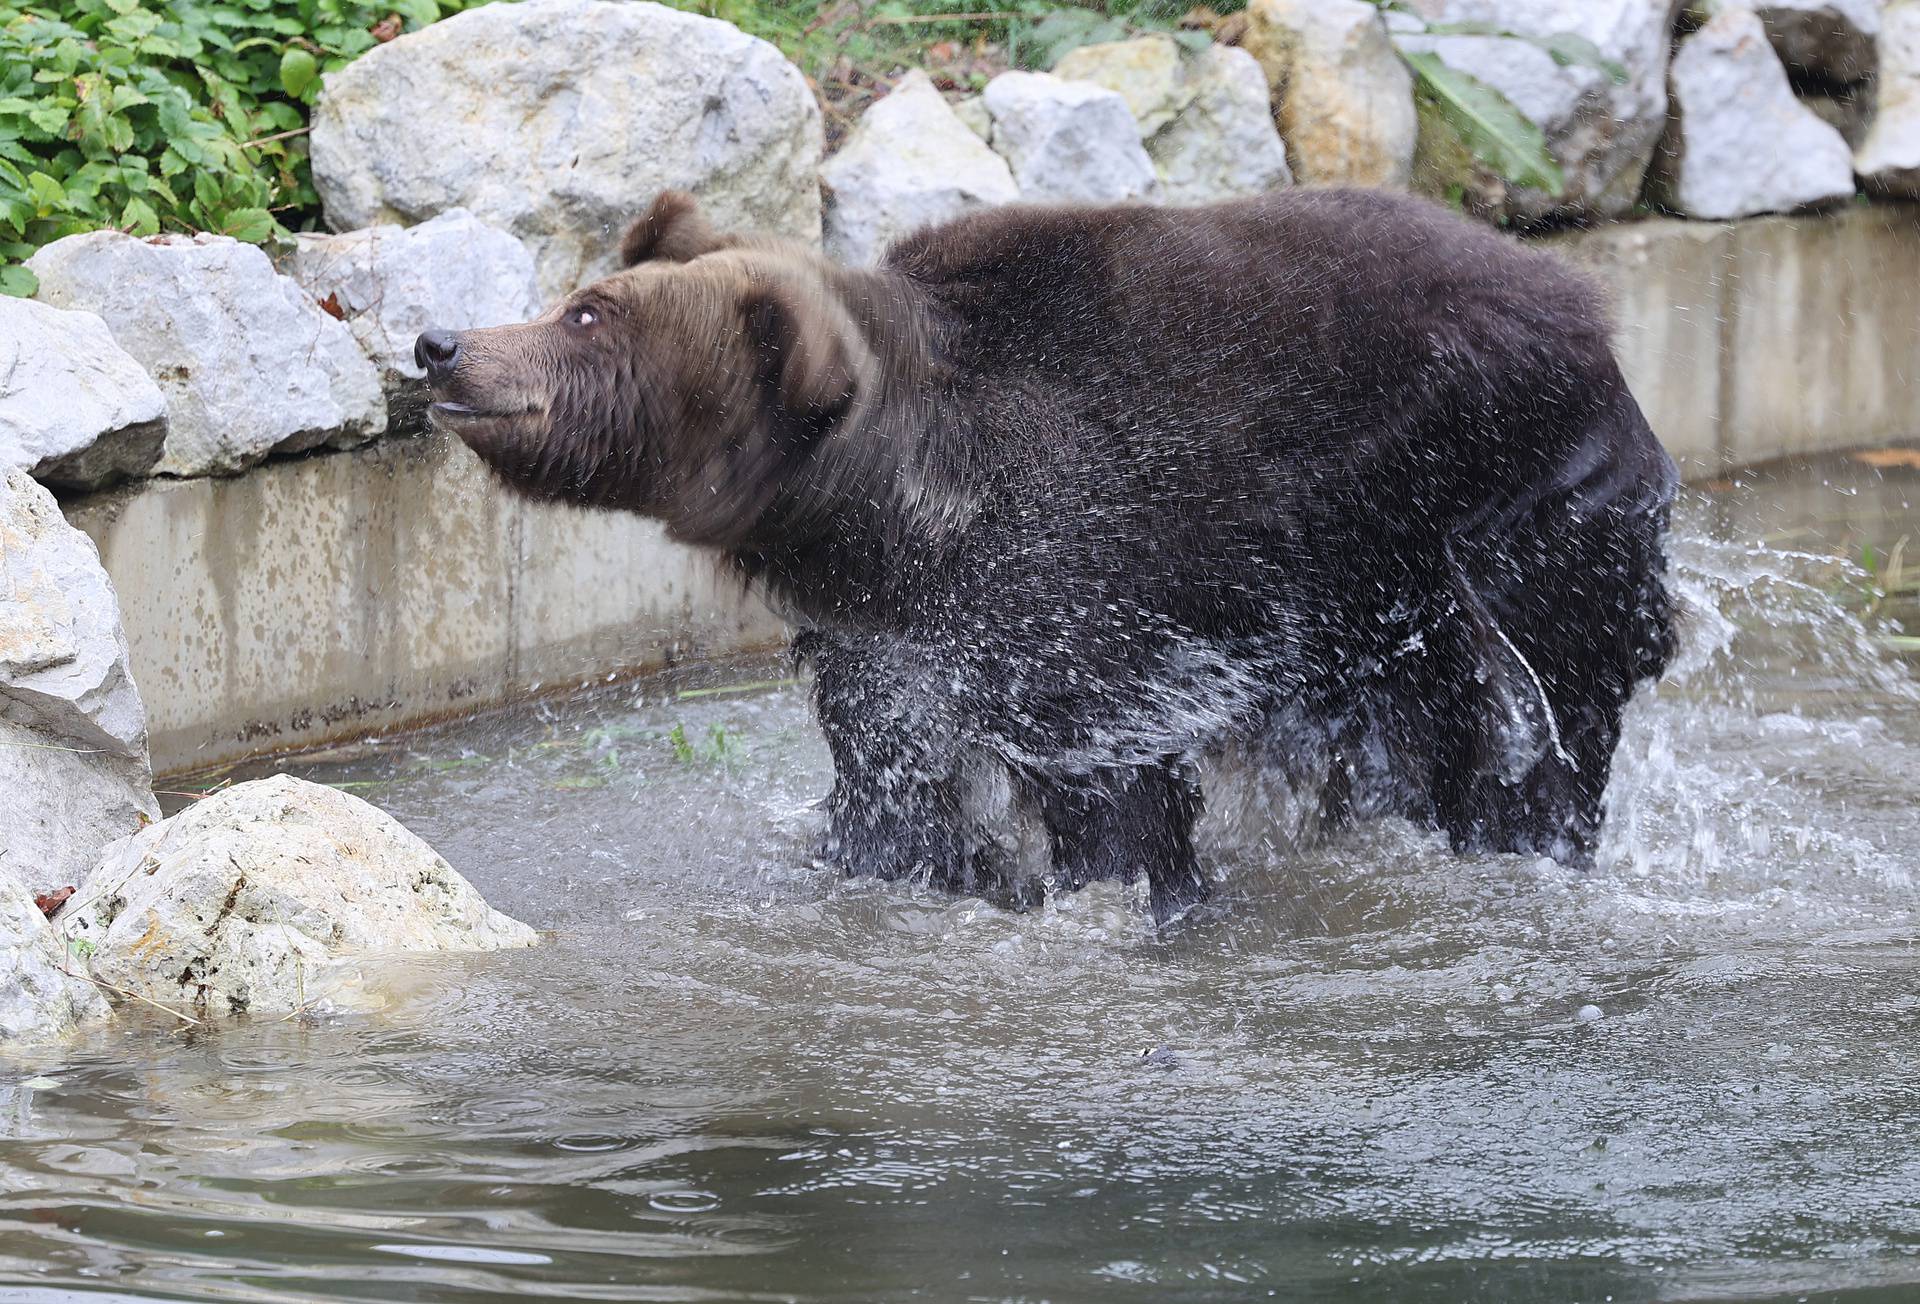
x=436, y=352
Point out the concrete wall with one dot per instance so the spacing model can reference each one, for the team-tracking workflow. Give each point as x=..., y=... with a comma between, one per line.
x=354, y=592
x=1749, y=341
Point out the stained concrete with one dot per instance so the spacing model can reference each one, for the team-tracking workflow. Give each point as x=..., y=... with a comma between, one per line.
x=1667, y=282
x=355, y=592
x=1777, y=336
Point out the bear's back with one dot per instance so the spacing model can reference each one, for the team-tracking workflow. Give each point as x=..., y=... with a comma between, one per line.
x=1328, y=283
x=1303, y=335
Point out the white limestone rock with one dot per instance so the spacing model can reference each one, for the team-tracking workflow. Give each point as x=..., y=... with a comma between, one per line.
x=1204, y=117
x=1601, y=132
x=393, y=282
x=75, y=410
x=1740, y=144
x=41, y=998
x=390, y=283
x=73, y=733
x=558, y=120
x=973, y=113
x=911, y=162
x=1888, y=160
x=1343, y=97
x=249, y=364
x=1067, y=141
x=268, y=896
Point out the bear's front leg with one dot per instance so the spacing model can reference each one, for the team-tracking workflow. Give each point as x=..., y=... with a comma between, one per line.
x=1121, y=823
x=893, y=727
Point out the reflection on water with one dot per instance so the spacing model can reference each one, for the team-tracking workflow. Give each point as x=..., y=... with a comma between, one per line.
x=1384, y=1072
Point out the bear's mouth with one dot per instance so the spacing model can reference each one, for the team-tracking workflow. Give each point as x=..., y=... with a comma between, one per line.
x=458, y=415
x=485, y=429
x=467, y=412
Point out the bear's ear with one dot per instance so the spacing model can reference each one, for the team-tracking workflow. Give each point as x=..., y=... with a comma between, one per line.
x=673, y=229
x=806, y=359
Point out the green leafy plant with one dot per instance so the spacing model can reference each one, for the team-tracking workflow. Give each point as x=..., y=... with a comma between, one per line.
x=682, y=749
x=718, y=748
x=168, y=115
x=1488, y=125
x=1051, y=37
x=721, y=748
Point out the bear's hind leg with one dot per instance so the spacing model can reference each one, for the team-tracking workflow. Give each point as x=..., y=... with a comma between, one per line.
x=1122, y=822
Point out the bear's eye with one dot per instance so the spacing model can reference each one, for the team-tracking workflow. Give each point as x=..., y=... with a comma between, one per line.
x=583, y=317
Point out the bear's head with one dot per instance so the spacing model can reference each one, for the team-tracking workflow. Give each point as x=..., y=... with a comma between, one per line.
x=694, y=385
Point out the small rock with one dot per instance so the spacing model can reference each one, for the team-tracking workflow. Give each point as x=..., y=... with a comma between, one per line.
x=974, y=114
x=39, y=1000
x=73, y=733
x=1729, y=93
x=262, y=897
x=248, y=363
x=1342, y=95
x=392, y=282
x=557, y=120
x=1589, y=1014
x=910, y=163
x=75, y=410
x=1065, y=141
x=389, y=283
x=1204, y=118
x=1601, y=132
x=1888, y=160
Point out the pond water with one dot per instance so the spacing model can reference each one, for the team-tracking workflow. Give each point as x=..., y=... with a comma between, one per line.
x=1383, y=1072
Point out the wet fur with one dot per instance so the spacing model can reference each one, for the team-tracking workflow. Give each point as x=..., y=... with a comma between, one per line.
x=1088, y=493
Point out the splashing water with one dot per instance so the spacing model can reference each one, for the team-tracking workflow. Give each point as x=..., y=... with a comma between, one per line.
x=1381, y=1071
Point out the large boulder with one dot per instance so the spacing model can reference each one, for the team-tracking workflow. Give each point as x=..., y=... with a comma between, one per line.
x=1740, y=143
x=557, y=120
x=42, y=995
x=248, y=362
x=74, y=408
x=389, y=283
x=1888, y=161
x=911, y=162
x=266, y=896
x=73, y=734
x=1067, y=141
x=1602, y=132
x=1343, y=97
x=1205, y=118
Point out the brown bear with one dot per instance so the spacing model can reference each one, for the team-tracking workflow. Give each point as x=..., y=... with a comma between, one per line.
x=1088, y=494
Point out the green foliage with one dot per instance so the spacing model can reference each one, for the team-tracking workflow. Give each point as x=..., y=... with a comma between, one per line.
x=718, y=748
x=1065, y=29
x=1033, y=33
x=1496, y=133
x=167, y=115
x=1488, y=124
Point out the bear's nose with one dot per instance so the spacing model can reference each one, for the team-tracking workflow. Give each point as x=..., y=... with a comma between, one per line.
x=436, y=351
